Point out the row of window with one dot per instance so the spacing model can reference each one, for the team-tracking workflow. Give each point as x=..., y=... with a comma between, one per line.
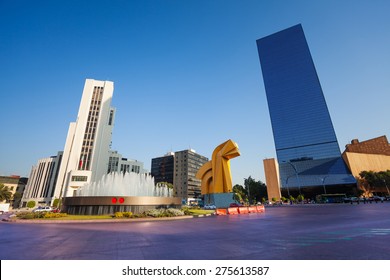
x=79, y=178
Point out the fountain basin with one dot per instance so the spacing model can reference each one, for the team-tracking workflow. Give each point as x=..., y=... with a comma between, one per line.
x=103, y=205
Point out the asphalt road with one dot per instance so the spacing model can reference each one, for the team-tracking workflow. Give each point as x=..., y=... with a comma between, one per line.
x=307, y=232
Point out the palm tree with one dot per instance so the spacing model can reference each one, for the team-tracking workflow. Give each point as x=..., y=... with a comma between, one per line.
x=5, y=193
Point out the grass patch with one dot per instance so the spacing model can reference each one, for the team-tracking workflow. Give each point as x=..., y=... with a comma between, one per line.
x=200, y=211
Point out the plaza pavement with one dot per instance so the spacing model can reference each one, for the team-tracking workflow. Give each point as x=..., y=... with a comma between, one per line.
x=300, y=232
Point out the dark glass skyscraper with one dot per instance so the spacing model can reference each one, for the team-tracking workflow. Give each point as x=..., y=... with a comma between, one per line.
x=306, y=145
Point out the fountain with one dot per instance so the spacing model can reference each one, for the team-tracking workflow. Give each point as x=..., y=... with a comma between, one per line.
x=118, y=192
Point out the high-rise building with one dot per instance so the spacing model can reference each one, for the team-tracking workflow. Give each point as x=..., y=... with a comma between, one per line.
x=163, y=168
x=179, y=168
x=306, y=145
x=42, y=181
x=187, y=164
x=86, y=152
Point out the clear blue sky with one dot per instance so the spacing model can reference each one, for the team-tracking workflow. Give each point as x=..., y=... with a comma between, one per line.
x=186, y=73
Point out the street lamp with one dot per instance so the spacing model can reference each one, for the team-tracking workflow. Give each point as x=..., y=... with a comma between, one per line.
x=288, y=190
x=323, y=182
x=384, y=181
x=247, y=187
x=296, y=174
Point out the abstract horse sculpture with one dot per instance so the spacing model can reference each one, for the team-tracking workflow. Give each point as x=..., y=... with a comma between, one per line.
x=215, y=174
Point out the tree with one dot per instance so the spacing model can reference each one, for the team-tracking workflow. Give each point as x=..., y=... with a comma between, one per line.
x=257, y=189
x=5, y=193
x=369, y=180
x=239, y=193
x=56, y=202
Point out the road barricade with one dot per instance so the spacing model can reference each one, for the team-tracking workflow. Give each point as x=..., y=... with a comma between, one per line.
x=243, y=210
x=260, y=208
x=221, y=212
x=252, y=209
x=232, y=210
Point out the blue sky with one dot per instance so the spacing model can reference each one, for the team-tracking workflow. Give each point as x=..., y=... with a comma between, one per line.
x=186, y=73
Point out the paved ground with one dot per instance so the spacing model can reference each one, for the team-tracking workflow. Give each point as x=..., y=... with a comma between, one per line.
x=315, y=232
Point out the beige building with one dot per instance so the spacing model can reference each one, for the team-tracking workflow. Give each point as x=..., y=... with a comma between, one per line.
x=271, y=170
x=369, y=155
x=14, y=184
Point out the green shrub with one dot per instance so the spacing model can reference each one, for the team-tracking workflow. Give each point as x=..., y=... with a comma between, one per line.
x=56, y=202
x=25, y=215
x=172, y=212
x=118, y=215
x=155, y=213
x=51, y=215
x=127, y=214
x=31, y=204
x=39, y=215
x=186, y=211
x=123, y=214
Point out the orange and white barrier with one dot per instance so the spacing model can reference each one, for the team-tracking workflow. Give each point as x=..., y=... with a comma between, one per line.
x=240, y=210
x=243, y=210
x=221, y=212
x=260, y=208
x=252, y=209
x=232, y=210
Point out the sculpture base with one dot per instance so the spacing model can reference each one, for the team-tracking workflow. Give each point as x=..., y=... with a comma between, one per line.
x=220, y=200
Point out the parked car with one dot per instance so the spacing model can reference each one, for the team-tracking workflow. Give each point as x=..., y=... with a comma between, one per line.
x=4, y=208
x=210, y=207
x=235, y=205
x=43, y=209
x=351, y=199
x=378, y=198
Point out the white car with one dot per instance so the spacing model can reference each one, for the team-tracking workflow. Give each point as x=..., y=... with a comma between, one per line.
x=210, y=207
x=43, y=209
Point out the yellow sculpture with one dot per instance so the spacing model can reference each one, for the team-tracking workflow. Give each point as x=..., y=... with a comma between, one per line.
x=215, y=174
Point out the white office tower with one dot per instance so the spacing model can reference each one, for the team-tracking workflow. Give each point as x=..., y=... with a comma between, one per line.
x=42, y=181
x=87, y=146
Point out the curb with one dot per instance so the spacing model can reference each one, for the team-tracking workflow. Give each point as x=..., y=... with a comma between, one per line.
x=32, y=221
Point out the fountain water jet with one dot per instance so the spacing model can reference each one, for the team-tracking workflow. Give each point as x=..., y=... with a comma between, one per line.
x=118, y=192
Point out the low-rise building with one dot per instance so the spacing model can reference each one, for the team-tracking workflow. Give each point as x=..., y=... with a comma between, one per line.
x=369, y=155
x=16, y=185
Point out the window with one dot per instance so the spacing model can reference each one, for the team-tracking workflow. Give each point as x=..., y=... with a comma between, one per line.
x=79, y=178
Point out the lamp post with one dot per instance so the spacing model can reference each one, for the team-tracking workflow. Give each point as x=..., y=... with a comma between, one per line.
x=247, y=187
x=384, y=181
x=288, y=190
x=296, y=174
x=323, y=182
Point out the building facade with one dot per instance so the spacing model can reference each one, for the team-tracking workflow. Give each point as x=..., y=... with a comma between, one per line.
x=86, y=152
x=369, y=155
x=307, y=150
x=162, y=168
x=117, y=163
x=271, y=171
x=187, y=164
x=16, y=185
x=42, y=181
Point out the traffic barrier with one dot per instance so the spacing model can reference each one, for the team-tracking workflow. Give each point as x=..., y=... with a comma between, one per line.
x=243, y=210
x=260, y=208
x=252, y=209
x=232, y=210
x=222, y=212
